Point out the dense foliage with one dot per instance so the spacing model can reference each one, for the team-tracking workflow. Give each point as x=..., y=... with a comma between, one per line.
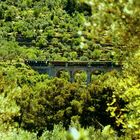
x=31, y=104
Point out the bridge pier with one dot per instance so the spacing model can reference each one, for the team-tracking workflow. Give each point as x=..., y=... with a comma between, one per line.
x=71, y=76
x=88, y=77
x=51, y=71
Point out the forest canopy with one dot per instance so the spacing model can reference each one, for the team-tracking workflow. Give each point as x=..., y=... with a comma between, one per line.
x=36, y=106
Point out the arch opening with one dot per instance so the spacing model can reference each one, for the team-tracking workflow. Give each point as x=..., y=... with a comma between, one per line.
x=63, y=73
x=80, y=76
x=96, y=74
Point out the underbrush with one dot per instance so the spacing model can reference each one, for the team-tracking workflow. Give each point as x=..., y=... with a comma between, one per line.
x=60, y=133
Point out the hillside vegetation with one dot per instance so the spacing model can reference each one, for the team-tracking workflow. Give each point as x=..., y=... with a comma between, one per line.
x=36, y=106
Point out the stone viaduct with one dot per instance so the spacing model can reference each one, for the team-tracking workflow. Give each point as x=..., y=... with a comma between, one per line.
x=52, y=68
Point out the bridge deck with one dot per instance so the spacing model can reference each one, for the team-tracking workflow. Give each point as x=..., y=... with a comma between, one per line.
x=71, y=63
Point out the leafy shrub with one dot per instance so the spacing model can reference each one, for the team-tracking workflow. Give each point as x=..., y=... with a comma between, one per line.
x=14, y=134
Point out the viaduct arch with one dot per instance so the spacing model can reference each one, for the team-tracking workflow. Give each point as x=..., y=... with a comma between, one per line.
x=53, y=67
